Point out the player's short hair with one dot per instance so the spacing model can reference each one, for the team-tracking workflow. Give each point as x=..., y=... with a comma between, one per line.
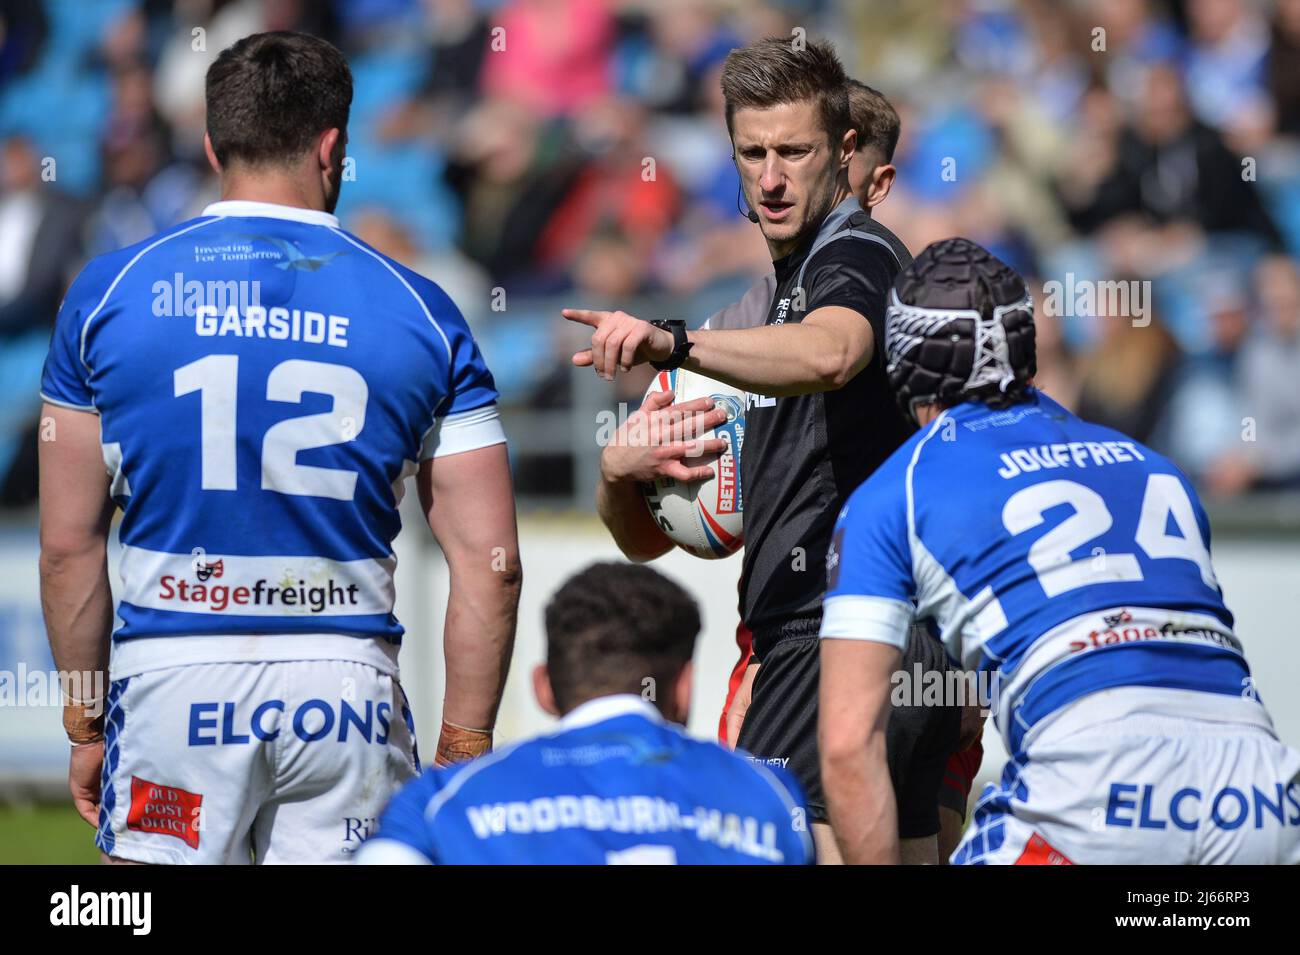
x=875, y=120
x=771, y=72
x=271, y=94
x=959, y=327
x=611, y=627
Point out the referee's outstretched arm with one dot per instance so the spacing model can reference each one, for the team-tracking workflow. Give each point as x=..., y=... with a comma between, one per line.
x=821, y=353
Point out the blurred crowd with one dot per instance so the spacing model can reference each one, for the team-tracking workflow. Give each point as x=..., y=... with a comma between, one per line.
x=531, y=153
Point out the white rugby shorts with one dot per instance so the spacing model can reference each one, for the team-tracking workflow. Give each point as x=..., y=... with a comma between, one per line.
x=266, y=761
x=1111, y=782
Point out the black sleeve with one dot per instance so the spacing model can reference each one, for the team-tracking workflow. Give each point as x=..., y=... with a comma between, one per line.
x=851, y=273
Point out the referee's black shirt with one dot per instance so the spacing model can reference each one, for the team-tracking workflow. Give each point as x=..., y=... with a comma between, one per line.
x=803, y=455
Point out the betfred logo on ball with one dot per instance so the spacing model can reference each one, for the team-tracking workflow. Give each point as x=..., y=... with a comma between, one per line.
x=704, y=518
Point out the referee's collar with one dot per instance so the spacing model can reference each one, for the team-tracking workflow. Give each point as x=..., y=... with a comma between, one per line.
x=607, y=708
x=271, y=210
x=846, y=208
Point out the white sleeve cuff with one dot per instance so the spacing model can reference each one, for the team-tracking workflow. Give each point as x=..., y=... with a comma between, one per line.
x=878, y=619
x=379, y=851
x=68, y=404
x=464, y=431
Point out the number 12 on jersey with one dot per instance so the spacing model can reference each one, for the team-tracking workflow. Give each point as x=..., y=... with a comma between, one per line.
x=216, y=378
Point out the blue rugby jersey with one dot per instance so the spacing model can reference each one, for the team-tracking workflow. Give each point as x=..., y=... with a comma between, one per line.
x=1058, y=556
x=265, y=382
x=614, y=784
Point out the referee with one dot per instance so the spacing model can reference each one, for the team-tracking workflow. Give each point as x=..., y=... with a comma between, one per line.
x=821, y=415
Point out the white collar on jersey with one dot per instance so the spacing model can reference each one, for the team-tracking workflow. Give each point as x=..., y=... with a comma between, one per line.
x=607, y=708
x=270, y=210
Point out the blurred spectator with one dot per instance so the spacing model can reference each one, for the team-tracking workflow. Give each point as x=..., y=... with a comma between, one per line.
x=674, y=55
x=200, y=29
x=621, y=189
x=23, y=29
x=555, y=54
x=39, y=241
x=1225, y=62
x=1283, y=72
x=39, y=247
x=1175, y=179
x=458, y=37
x=197, y=31
x=1269, y=453
x=1136, y=39
x=1126, y=380
x=511, y=171
x=145, y=190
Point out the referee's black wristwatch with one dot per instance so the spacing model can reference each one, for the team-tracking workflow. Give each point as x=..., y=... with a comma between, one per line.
x=681, y=347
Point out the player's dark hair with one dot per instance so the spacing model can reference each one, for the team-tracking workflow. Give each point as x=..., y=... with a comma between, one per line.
x=874, y=118
x=271, y=94
x=612, y=626
x=772, y=72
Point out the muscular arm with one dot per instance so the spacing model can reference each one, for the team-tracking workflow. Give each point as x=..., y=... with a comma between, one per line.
x=77, y=602
x=469, y=502
x=76, y=512
x=854, y=712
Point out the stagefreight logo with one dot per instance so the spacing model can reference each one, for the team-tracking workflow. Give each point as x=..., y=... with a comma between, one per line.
x=103, y=908
x=292, y=597
x=1120, y=628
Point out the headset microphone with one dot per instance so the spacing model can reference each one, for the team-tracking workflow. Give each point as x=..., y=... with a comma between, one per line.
x=749, y=214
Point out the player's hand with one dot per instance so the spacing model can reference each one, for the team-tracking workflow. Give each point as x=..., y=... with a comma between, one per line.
x=84, y=767
x=658, y=437
x=618, y=341
x=740, y=705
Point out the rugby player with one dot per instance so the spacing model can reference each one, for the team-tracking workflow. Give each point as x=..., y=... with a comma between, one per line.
x=618, y=781
x=820, y=414
x=256, y=432
x=1070, y=566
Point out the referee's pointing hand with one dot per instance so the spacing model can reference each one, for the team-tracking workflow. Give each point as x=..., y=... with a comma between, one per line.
x=619, y=341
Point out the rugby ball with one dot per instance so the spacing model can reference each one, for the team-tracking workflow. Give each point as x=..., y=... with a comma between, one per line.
x=705, y=518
